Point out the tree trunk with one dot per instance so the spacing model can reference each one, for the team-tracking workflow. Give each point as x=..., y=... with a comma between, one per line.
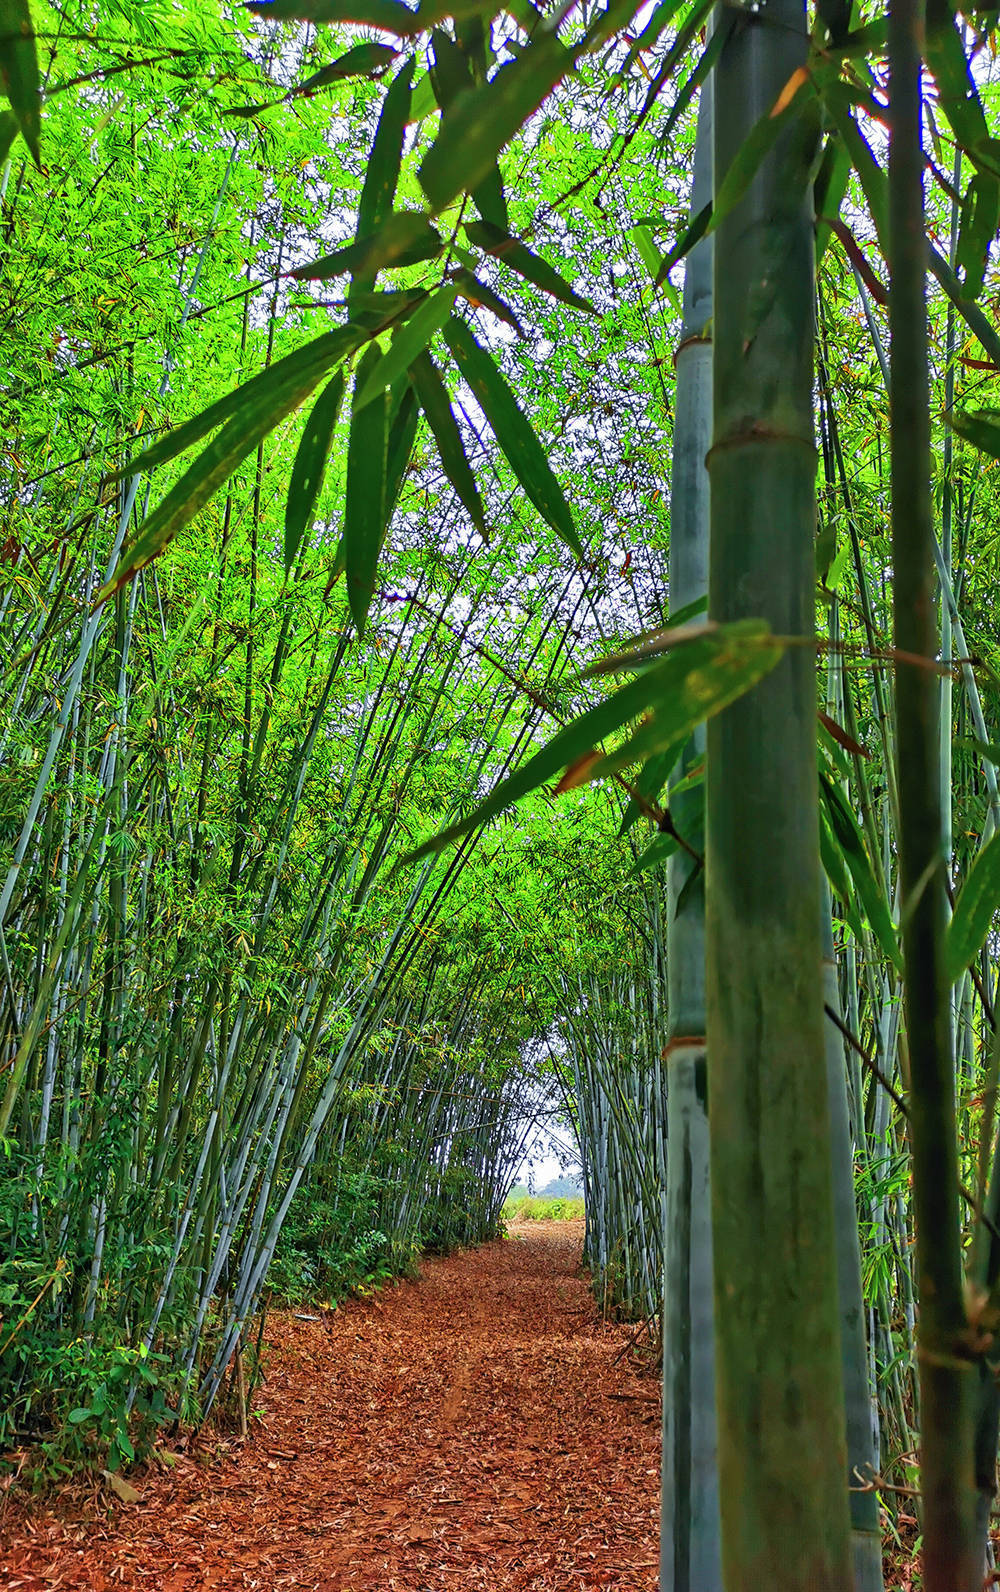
x=782, y=1455
x=689, y=1541
x=945, y=1357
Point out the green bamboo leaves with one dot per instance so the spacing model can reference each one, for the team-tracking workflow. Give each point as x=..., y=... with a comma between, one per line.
x=405, y=237
x=412, y=340
x=202, y=480
x=525, y=453
x=310, y=464
x=849, y=847
x=19, y=70
x=364, y=510
x=494, y=240
x=485, y=118
x=980, y=427
x=436, y=405
x=246, y=416
x=389, y=16
x=363, y=60
x=382, y=174
x=700, y=677
x=977, y=901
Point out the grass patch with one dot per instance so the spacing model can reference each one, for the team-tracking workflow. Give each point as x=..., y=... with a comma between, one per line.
x=537, y=1208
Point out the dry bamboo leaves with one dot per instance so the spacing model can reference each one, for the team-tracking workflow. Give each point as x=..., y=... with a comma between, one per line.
x=471, y=1429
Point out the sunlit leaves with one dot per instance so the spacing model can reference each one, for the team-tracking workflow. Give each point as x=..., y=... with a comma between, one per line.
x=247, y=416
x=322, y=354
x=203, y=478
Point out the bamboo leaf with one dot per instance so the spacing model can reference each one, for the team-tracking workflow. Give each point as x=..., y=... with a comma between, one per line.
x=658, y=850
x=648, y=783
x=517, y=439
x=738, y=656
x=203, y=478
x=423, y=100
x=839, y=101
x=404, y=238
x=310, y=465
x=486, y=118
x=450, y=71
x=983, y=748
x=389, y=16
x=9, y=128
x=835, y=16
x=364, y=60
x=399, y=449
x=828, y=195
x=480, y=296
x=692, y=684
x=413, y=338
x=957, y=92
x=321, y=354
x=840, y=883
x=436, y=405
x=686, y=34
x=497, y=242
x=970, y=312
x=696, y=229
x=660, y=18
x=19, y=70
x=382, y=173
x=364, y=507
x=693, y=82
x=977, y=901
x=833, y=862
x=490, y=200
x=981, y=427
x=847, y=834
x=649, y=254
x=452, y=74
x=978, y=228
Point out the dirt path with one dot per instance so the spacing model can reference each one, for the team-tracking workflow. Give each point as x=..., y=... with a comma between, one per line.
x=470, y=1430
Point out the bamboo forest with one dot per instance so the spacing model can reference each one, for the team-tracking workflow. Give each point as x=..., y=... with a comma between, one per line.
x=500, y=595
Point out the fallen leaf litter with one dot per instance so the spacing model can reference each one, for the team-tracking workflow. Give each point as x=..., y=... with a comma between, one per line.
x=467, y=1430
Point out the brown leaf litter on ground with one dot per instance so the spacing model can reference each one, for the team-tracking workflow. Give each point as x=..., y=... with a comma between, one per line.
x=479, y=1428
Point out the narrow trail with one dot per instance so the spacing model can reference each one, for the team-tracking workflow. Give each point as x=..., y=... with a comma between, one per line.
x=469, y=1430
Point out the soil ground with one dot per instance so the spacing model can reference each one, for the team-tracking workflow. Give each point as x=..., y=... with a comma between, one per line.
x=479, y=1428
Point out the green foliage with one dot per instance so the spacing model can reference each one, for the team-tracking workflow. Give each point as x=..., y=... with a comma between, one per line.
x=77, y=1387
x=538, y=1208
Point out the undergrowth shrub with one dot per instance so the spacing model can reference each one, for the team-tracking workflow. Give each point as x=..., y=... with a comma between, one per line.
x=332, y=1244
x=78, y=1385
